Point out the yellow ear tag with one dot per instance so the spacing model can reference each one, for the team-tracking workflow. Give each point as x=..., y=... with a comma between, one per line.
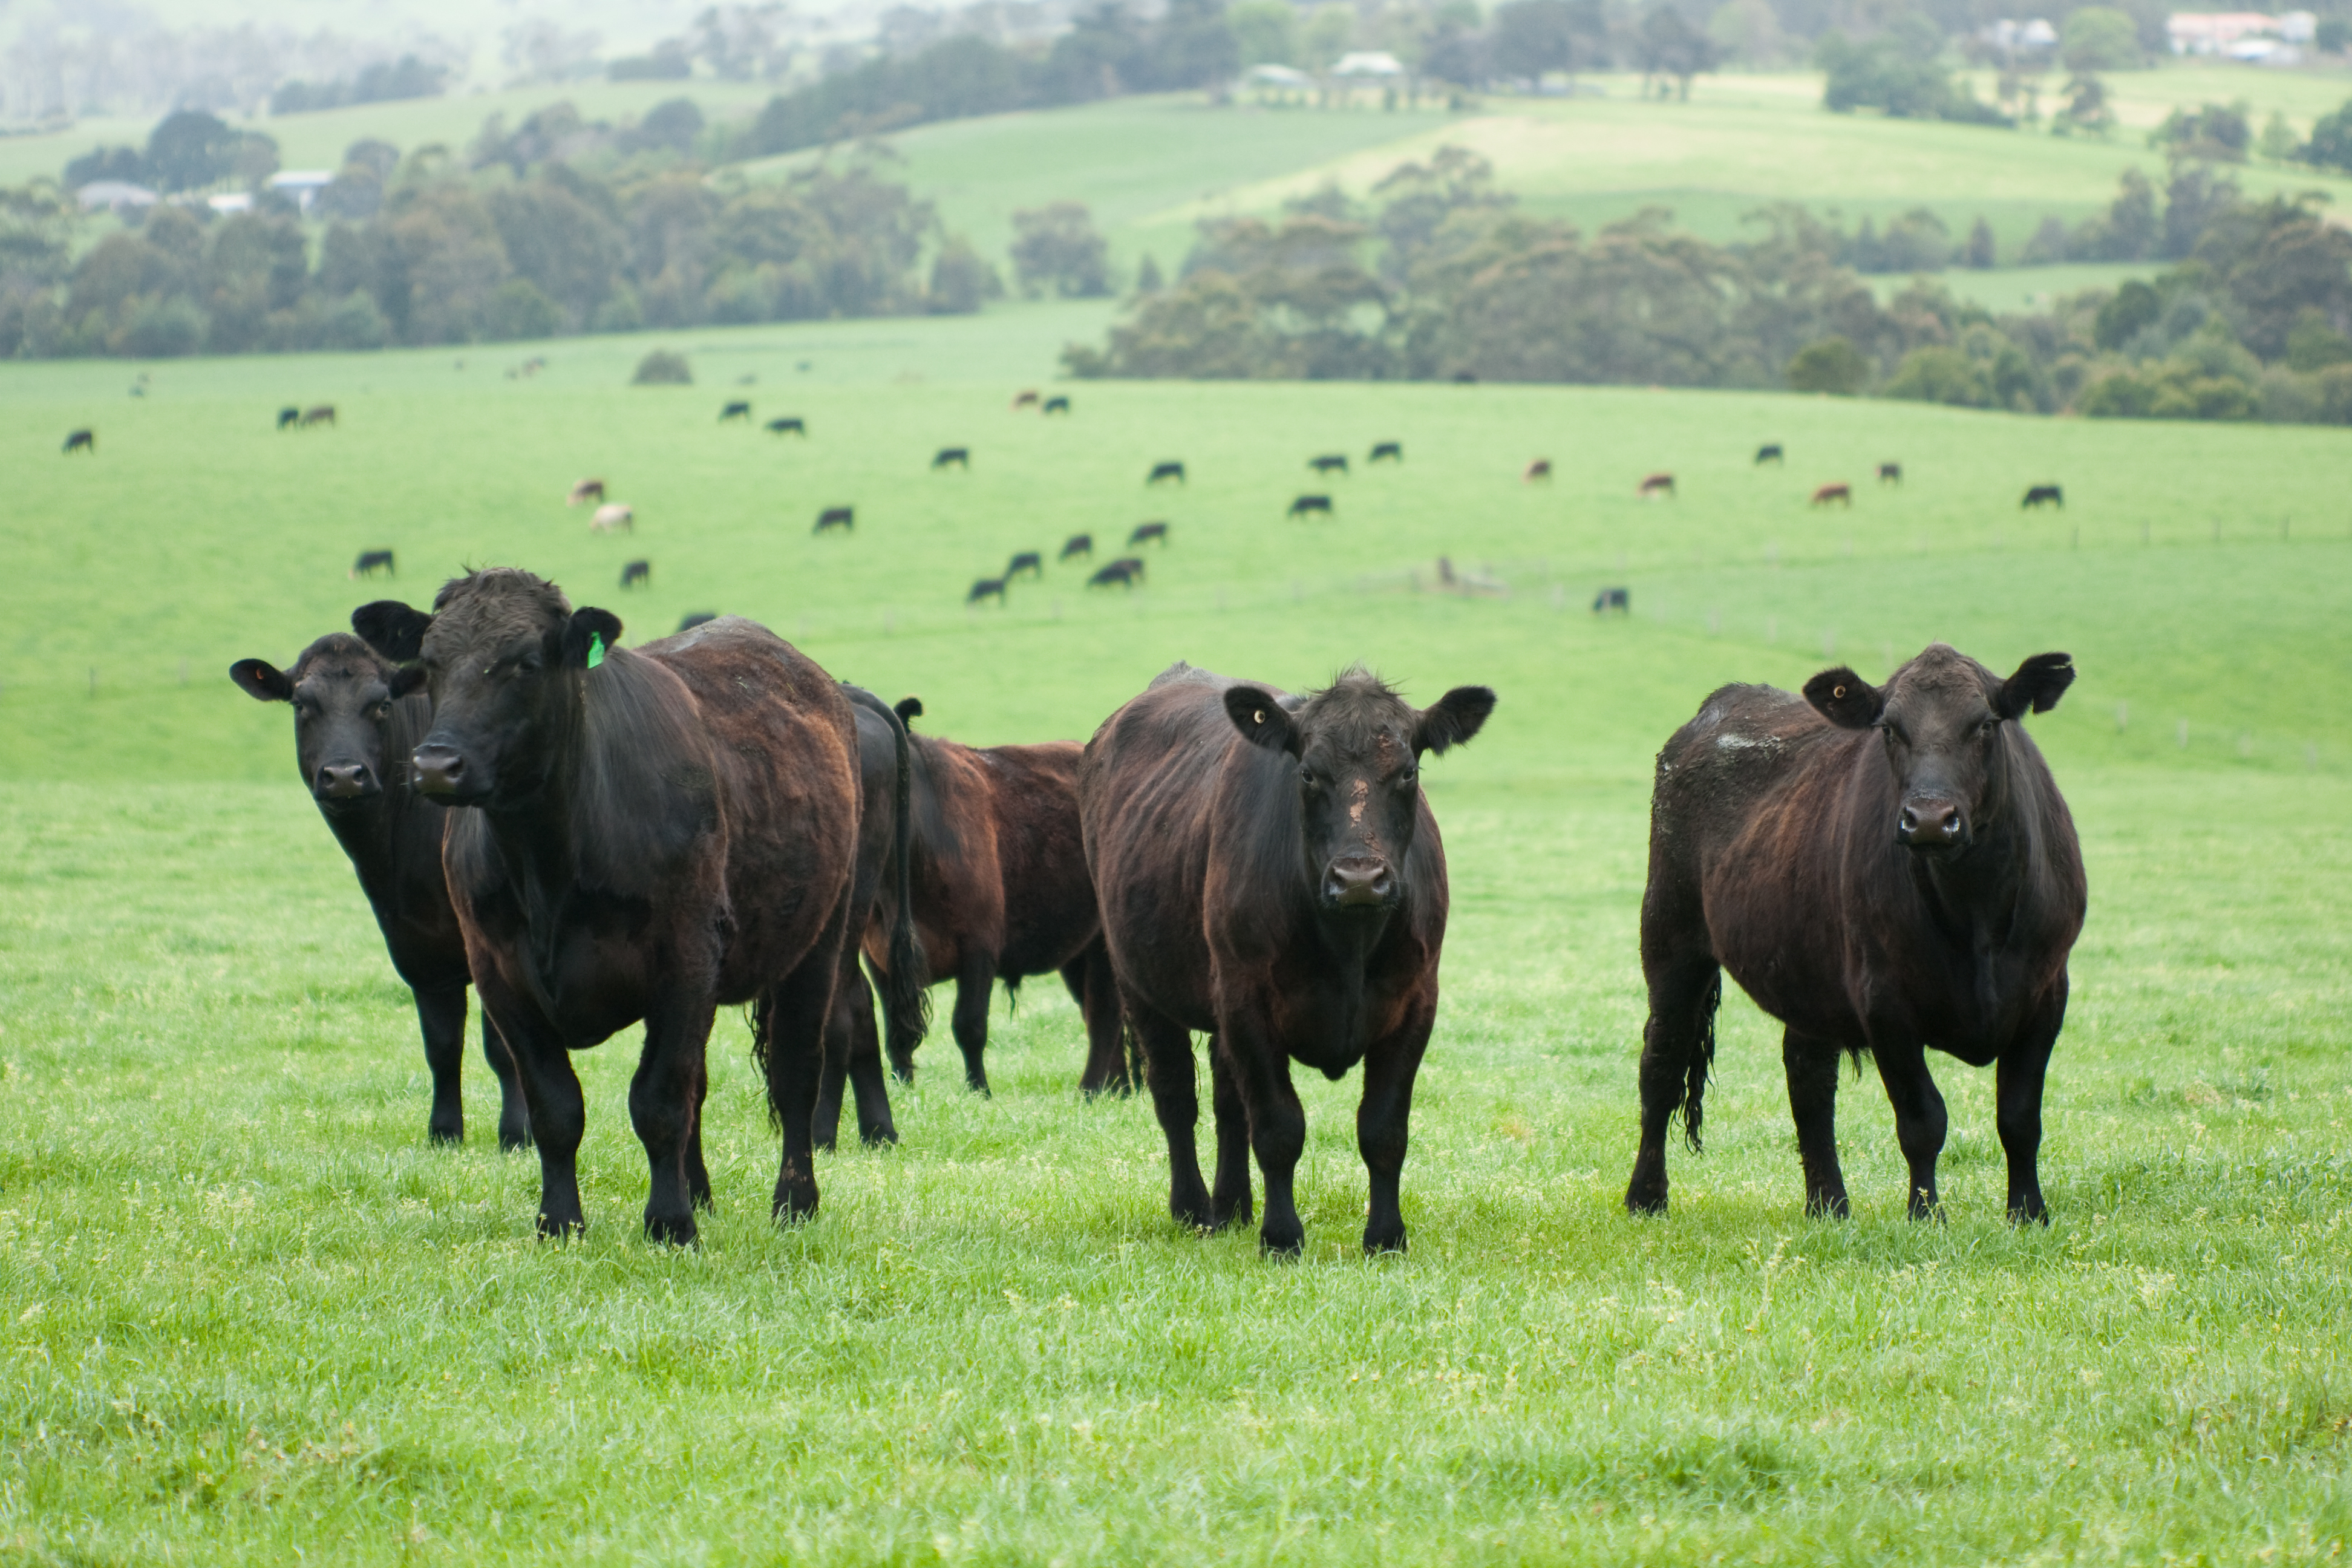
x=596, y=651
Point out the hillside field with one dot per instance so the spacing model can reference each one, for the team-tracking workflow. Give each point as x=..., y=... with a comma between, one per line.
x=247, y=1313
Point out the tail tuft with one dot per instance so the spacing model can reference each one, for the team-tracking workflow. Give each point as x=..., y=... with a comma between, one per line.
x=1702, y=1063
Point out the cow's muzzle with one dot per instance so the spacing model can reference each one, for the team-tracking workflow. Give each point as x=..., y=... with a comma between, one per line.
x=1936, y=824
x=341, y=783
x=441, y=770
x=1354, y=884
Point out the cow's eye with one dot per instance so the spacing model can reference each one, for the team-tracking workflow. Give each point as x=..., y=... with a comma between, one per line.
x=1408, y=778
x=383, y=709
x=528, y=663
x=1307, y=776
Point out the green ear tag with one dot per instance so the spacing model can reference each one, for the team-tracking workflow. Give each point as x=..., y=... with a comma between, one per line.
x=596, y=649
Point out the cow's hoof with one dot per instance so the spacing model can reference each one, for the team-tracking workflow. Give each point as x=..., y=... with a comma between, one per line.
x=1377, y=1242
x=1281, y=1239
x=674, y=1230
x=561, y=1227
x=444, y=1135
x=794, y=1203
x=512, y=1140
x=883, y=1137
x=1646, y=1204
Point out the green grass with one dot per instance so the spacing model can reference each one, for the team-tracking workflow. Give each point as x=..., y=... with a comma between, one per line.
x=247, y=1314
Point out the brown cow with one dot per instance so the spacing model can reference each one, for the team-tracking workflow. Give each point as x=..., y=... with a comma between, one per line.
x=1000, y=892
x=657, y=833
x=1837, y=493
x=1882, y=869
x=1538, y=469
x=1655, y=484
x=586, y=491
x=1270, y=874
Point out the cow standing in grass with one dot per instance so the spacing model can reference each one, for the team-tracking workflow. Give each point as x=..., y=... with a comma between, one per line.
x=655, y=832
x=1883, y=869
x=351, y=740
x=1270, y=874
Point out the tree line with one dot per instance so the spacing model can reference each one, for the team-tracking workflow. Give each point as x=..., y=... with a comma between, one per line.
x=1438, y=276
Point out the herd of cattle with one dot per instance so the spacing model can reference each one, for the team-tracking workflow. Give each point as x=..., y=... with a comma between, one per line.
x=595, y=836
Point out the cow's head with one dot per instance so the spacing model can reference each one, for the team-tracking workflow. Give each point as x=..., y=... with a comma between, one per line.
x=1944, y=718
x=343, y=696
x=504, y=655
x=1357, y=746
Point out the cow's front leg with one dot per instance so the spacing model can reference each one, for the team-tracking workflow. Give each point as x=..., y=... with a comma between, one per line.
x=1919, y=1119
x=1278, y=1123
x=441, y=1018
x=1390, y=1065
x=2017, y=1092
x=665, y=1106
x=551, y=1092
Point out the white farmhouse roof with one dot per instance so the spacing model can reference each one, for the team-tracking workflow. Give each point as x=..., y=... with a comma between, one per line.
x=1277, y=76
x=2213, y=32
x=302, y=180
x=1368, y=62
x=113, y=193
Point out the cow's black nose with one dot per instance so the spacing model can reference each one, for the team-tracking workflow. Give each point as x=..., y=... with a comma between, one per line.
x=1930, y=825
x=343, y=781
x=1358, y=882
x=440, y=770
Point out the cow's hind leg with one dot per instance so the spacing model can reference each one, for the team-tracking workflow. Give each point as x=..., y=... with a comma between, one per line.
x=840, y=1039
x=1677, y=1050
x=665, y=1102
x=974, y=983
x=1390, y=1065
x=1169, y=1071
x=1229, y=1195
x=866, y=1077
x=514, y=1114
x=441, y=1015
x=1088, y=977
x=2017, y=1089
x=1919, y=1119
x=790, y=1018
x=1812, y=1065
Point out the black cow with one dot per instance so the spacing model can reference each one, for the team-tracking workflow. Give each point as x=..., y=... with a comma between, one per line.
x=1769, y=454
x=1390, y=451
x=1890, y=473
x=794, y=425
x=1124, y=572
x=687, y=622
x=960, y=455
x=1330, y=463
x=1058, y=406
x=843, y=518
x=351, y=740
x=2039, y=495
x=1305, y=504
x=372, y=561
x=322, y=414
x=1616, y=599
x=1028, y=561
x=636, y=572
x=1148, y=533
x=1269, y=874
x=289, y=417
x=735, y=411
x=658, y=833
x=1882, y=869
x=986, y=588
x=82, y=441
x=1079, y=544
x=1170, y=470
x=1465, y=378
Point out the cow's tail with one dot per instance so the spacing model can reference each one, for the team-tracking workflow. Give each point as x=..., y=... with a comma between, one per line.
x=1701, y=1066
x=906, y=995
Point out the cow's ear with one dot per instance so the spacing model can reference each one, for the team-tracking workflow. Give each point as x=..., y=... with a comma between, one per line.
x=910, y=708
x=2038, y=684
x=588, y=635
x=1453, y=719
x=392, y=628
x=406, y=681
x=1261, y=719
x=262, y=680
x=1845, y=699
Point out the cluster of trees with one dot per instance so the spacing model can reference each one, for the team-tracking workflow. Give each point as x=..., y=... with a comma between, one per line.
x=1440, y=276
x=514, y=243
x=382, y=82
x=187, y=150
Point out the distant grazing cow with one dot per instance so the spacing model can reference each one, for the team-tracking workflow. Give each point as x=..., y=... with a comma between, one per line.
x=663, y=832
x=636, y=572
x=1616, y=599
x=1655, y=484
x=1024, y=400
x=1890, y=473
x=960, y=455
x=287, y=418
x=351, y=740
x=1270, y=875
x=790, y=425
x=1300, y=506
x=323, y=414
x=738, y=410
x=1330, y=463
x=1148, y=533
x=1124, y=572
x=1842, y=493
x=843, y=518
x=986, y=588
x=1882, y=869
x=584, y=492
x=1000, y=892
x=1769, y=454
x=694, y=618
x=1078, y=544
x=1466, y=377
x=1028, y=561
x=371, y=561
x=2043, y=494
x=1387, y=451
x=82, y=441
x=614, y=517
x=1170, y=470
x=1538, y=469
x=1058, y=406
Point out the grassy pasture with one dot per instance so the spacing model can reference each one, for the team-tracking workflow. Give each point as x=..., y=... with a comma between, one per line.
x=245, y=1312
